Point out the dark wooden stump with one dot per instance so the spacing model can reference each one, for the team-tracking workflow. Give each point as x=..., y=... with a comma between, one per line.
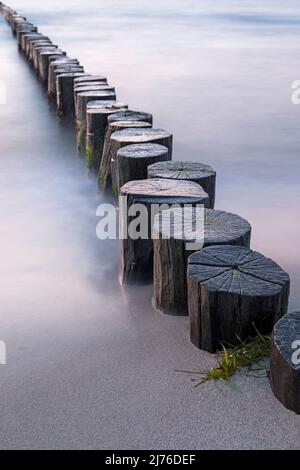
x=285, y=361
x=230, y=289
x=137, y=254
x=128, y=115
x=177, y=238
x=44, y=59
x=31, y=44
x=25, y=35
x=65, y=92
x=17, y=22
x=133, y=160
x=95, y=87
x=36, y=55
x=25, y=30
x=129, y=136
x=191, y=171
x=97, y=113
x=56, y=66
x=83, y=99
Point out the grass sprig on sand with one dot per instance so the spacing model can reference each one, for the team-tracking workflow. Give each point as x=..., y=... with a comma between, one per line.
x=233, y=358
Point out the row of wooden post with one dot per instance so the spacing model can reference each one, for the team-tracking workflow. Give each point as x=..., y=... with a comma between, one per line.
x=228, y=290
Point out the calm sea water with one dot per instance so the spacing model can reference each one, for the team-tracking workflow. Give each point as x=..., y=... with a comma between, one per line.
x=218, y=75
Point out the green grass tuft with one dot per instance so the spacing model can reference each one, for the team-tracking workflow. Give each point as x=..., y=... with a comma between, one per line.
x=80, y=141
x=233, y=358
x=114, y=191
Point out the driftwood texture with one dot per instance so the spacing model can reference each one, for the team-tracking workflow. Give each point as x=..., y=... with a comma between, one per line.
x=44, y=60
x=136, y=263
x=65, y=92
x=176, y=232
x=230, y=288
x=133, y=160
x=56, y=65
x=135, y=135
x=94, y=87
x=32, y=44
x=90, y=78
x=200, y=173
x=97, y=114
x=36, y=54
x=285, y=361
x=82, y=100
x=104, y=180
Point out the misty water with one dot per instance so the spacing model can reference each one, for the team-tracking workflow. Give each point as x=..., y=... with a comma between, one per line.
x=90, y=364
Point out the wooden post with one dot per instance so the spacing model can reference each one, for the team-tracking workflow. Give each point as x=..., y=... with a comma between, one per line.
x=56, y=65
x=128, y=136
x=118, y=126
x=97, y=113
x=36, y=54
x=28, y=35
x=231, y=289
x=44, y=58
x=31, y=44
x=285, y=361
x=65, y=92
x=133, y=160
x=137, y=254
x=177, y=235
x=66, y=69
x=186, y=170
x=96, y=86
x=34, y=42
x=25, y=30
x=82, y=100
x=128, y=115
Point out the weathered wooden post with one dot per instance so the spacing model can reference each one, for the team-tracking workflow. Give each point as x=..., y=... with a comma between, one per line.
x=143, y=201
x=16, y=22
x=97, y=113
x=24, y=36
x=94, y=87
x=44, y=58
x=82, y=100
x=117, y=126
x=56, y=65
x=128, y=115
x=128, y=136
x=177, y=233
x=231, y=289
x=25, y=30
x=65, y=92
x=36, y=54
x=32, y=43
x=285, y=361
x=200, y=173
x=133, y=160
